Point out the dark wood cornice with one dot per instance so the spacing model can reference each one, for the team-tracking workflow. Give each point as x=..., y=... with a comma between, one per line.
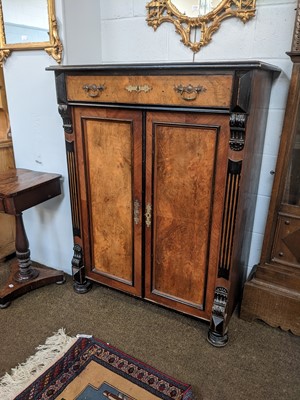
x=295, y=56
x=166, y=68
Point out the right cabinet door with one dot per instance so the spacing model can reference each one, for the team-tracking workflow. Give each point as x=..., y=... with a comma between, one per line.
x=186, y=167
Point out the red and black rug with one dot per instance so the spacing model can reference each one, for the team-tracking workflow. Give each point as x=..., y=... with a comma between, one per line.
x=94, y=370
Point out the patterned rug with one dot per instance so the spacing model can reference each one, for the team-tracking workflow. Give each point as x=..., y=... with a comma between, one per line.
x=93, y=370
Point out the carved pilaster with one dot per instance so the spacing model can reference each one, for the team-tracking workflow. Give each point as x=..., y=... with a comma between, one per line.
x=66, y=115
x=73, y=185
x=237, y=131
x=229, y=217
x=217, y=334
x=81, y=284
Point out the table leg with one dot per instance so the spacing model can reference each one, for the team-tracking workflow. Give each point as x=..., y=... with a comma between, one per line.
x=26, y=272
x=23, y=276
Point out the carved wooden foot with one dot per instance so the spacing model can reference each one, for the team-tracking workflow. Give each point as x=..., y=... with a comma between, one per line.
x=62, y=281
x=218, y=333
x=216, y=339
x=81, y=284
x=4, y=305
x=14, y=289
x=24, y=277
x=82, y=288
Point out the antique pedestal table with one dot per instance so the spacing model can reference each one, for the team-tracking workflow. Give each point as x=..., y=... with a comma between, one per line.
x=21, y=189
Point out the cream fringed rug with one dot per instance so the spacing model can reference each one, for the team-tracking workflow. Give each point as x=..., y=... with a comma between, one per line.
x=67, y=368
x=24, y=374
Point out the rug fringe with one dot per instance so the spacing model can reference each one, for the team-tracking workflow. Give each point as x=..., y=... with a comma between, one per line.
x=24, y=374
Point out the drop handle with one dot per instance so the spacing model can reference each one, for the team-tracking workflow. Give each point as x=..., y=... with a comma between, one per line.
x=189, y=92
x=93, y=90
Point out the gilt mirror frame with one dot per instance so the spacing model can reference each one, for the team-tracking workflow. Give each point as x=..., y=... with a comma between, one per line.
x=53, y=47
x=160, y=11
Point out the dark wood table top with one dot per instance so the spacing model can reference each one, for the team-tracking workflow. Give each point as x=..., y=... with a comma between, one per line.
x=15, y=181
x=21, y=189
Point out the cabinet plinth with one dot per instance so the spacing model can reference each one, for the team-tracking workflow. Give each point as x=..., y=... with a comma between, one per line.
x=163, y=168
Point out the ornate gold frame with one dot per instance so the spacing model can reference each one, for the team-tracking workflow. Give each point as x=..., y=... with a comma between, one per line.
x=53, y=47
x=160, y=11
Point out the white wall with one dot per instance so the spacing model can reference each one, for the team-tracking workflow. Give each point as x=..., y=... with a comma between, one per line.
x=82, y=31
x=115, y=31
x=39, y=145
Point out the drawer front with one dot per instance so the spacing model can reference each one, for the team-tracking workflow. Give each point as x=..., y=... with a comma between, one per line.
x=189, y=91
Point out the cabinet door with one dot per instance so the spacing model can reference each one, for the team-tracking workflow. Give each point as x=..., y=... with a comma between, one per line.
x=109, y=156
x=186, y=168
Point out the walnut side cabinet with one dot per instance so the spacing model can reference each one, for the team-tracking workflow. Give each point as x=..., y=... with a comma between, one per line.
x=163, y=165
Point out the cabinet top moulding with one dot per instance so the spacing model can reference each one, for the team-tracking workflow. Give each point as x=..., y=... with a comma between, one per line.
x=167, y=68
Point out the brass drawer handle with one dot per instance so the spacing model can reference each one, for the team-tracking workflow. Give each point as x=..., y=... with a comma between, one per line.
x=189, y=92
x=138, y=88
x=93, y=90
x=136, y=212
x=148, y=215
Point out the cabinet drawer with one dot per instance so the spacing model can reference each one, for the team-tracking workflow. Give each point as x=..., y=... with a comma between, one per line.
x=191, y=91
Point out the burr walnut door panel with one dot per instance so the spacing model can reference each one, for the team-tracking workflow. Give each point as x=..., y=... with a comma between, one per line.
x=109, y=153
x=186, y=167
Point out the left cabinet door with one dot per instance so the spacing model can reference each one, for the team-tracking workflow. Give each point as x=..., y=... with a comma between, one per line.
x=109, y=162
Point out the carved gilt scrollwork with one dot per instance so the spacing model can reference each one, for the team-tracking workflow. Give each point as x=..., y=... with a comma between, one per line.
x=56, y=48
x=4, y=54
x=160, y=11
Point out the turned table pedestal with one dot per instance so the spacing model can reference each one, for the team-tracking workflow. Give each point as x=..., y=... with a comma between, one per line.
x=21, y=189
